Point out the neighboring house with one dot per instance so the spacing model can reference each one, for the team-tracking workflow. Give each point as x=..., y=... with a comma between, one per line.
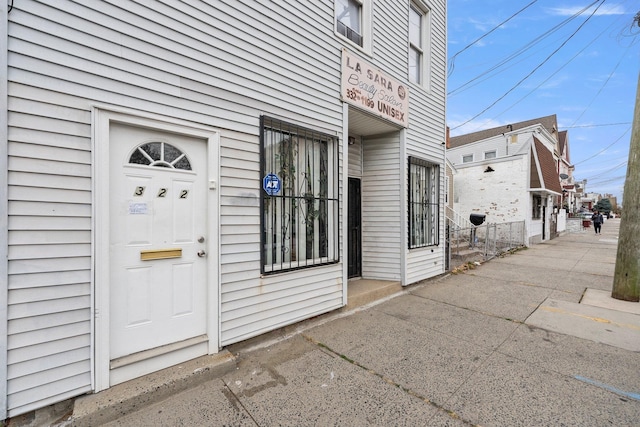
x=589, y=201
x=184, y=176
x=565, y=171
x=509, y=173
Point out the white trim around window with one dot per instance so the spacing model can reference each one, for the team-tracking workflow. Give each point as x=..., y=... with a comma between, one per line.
x=363, y=23
x=490, y=154
x=419, y=47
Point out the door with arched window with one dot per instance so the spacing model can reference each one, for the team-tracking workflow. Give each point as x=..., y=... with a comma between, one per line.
x=157, y=249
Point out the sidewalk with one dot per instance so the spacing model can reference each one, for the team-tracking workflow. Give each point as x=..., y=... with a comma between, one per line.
x=532, y=338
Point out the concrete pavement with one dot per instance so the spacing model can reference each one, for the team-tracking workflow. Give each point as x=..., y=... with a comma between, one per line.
x=532, y=339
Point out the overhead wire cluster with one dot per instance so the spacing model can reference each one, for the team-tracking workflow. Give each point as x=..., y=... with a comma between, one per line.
x=599, y=3
x=628, y=32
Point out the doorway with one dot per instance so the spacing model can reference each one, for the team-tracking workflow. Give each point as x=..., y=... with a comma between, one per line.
x=355, y=229
x=544, y=222
x=156, y=265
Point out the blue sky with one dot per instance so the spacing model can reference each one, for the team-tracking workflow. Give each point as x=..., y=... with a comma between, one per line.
x=576, y=59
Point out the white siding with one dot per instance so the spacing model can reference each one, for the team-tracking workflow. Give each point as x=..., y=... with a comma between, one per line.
x=49, y=269
x=221, y=64
x=355, y=159
x=382, y=222
x=250, y=304
x=3, y=212
x=504, y=146
x=424, y=137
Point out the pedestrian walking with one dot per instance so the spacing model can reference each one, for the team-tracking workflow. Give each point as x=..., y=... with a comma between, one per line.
x=597, y=220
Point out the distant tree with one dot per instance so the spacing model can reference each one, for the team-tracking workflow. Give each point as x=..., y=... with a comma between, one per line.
x=604, y=205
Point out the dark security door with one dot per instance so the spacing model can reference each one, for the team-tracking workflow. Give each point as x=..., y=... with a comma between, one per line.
x=544, y=222
x=355, y=233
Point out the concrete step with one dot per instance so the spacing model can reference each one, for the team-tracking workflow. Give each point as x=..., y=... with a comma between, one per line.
x=108, y=405
x=464, y=256
x=363, y=291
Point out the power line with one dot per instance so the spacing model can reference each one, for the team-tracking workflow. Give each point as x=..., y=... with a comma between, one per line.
x=602, y=87
x=534, y=70
x=605, y=148
x=556, y=72
x=518, y=52
x=606, y=181
x=594, y=126
x=453, y=58
x=618, y=166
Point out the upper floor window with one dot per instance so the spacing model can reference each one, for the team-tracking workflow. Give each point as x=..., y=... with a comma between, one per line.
x=467, y=158
x=418, y=31
x=349, y=20
x=490, y=154
x=353, y=21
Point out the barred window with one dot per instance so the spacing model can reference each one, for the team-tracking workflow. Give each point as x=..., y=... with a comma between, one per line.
x=299, y=197
x=424, y=199
x=536, y=212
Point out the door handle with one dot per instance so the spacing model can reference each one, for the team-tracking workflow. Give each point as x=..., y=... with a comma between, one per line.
x=202, y=253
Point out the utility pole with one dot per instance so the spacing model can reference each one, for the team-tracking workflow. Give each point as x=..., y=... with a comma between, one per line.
x=626, y=279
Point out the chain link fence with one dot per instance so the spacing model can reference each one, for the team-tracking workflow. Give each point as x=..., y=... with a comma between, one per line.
x=483, y=242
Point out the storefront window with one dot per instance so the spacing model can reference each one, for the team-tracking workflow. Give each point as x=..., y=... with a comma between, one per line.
x=299, y=198
x=424, y=207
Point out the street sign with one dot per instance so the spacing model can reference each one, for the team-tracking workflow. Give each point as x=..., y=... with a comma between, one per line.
x=271, y=184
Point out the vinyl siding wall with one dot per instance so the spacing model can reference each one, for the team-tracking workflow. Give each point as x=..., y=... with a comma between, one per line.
x=425, y=138
x=503, y=145
x=382, y=221
x=222, y=67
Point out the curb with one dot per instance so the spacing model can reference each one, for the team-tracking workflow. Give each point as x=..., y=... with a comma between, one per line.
x=109, y=405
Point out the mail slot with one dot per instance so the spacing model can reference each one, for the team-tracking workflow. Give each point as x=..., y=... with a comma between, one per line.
x=160, y=254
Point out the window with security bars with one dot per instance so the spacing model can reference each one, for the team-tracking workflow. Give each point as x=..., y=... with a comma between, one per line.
x=536, y=212
x=424, y=203
x=300, y=211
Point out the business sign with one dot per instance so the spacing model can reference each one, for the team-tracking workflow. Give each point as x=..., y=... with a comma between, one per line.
x=368, y=88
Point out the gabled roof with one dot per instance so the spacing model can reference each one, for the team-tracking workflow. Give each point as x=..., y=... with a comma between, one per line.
x=563, y=146
x=549, y=122
x=550, y=179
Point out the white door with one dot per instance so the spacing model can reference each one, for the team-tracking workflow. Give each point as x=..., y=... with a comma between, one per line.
x=157, y=241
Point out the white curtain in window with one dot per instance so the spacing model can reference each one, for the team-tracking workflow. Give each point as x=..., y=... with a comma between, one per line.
x=348, y=13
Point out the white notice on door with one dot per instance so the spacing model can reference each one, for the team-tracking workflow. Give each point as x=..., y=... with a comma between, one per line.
x=138, y=208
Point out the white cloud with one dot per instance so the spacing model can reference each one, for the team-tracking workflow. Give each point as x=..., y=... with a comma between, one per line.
x=572, y=10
